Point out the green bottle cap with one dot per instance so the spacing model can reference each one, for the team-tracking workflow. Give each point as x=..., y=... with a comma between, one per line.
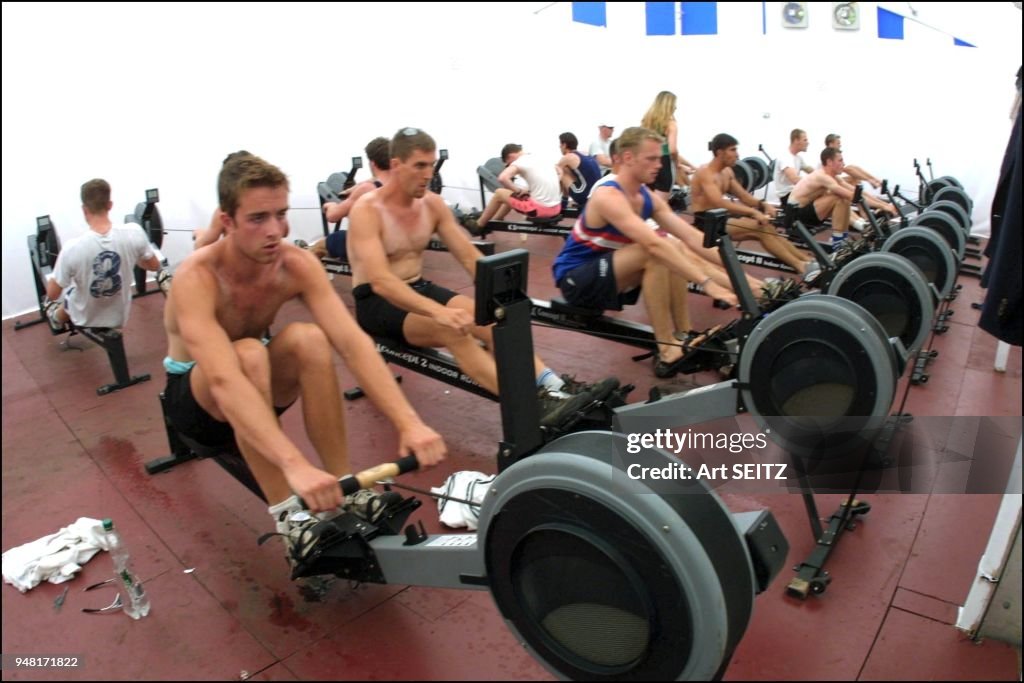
x=108, y=524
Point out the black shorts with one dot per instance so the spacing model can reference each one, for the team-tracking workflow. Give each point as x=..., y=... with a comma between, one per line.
x=808, y=216
x=380, y=318
x=337, y=244
x=593, y=285
x=191, y=419
x=664, y=180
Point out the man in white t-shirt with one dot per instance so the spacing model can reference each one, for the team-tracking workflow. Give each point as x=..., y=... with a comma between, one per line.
x=790, y=167
x=94, y=271
x=541, y=198
x=599, y=148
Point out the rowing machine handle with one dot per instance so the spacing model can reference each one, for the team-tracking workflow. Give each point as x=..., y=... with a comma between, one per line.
x=367, y=478
x=363, y=480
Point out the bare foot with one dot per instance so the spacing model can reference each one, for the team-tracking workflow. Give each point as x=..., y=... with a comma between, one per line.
x=699, y=338
x=717, y=291
x=669, y=353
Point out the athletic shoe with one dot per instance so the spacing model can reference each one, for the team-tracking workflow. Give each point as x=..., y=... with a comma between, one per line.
x=57, y=325
x=555, y=411
x=296, y=528
x=163, y=280
x=600, y=390
x=811, y=272
x=470, y=222
x=371, y=505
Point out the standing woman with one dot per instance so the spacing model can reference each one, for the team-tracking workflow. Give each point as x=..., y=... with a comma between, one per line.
x=661, y=119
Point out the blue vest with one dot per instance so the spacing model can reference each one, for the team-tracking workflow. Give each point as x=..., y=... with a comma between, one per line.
x=586, y=243
x=587, y=173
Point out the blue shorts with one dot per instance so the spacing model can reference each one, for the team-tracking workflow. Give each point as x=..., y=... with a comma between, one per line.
x=337, y=244
x=593, y=285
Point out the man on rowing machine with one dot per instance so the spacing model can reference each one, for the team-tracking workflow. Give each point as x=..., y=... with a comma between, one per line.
x=335, y=244
x=707, y=260
x=715, y=180
x=577, y=171
x=790, y=167
x=612, y=251
x=226, y=382
x=90, y=282
x=851, y=174
x=542, y=196
x=855, y=175
x=388, y=233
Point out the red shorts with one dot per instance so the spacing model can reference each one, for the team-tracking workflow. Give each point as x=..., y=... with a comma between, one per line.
x=529, y=207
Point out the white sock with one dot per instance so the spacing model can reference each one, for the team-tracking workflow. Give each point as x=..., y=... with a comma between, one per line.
x=550, y=381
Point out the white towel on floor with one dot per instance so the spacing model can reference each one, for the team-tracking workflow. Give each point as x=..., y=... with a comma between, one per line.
x=467, y=485
x=54, y=558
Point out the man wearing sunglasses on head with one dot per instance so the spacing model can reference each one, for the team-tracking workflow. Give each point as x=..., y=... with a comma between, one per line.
x=388, y=232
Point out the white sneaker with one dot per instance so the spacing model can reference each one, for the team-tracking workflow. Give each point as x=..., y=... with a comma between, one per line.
x=294, y=528
x=811, y=272
x=163, y=280
x=369, y=504
x=56, y=324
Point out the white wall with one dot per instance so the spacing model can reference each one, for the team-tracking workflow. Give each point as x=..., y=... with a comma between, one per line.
x=155, y=95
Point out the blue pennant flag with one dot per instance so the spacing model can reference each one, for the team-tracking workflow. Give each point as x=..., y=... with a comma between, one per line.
x=890, y=25
x=592, y=13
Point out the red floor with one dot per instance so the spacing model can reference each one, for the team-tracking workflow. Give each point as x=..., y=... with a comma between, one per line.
x=224, y=608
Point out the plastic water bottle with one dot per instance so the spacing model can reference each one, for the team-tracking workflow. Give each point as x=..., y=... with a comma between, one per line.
x=137, y=603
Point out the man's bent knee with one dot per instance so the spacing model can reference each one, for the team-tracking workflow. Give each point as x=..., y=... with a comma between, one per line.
x=452, y=339
x=306, y=341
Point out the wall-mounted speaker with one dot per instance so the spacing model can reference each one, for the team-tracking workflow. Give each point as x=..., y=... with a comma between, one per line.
x=794, y=15
x=845, y=16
